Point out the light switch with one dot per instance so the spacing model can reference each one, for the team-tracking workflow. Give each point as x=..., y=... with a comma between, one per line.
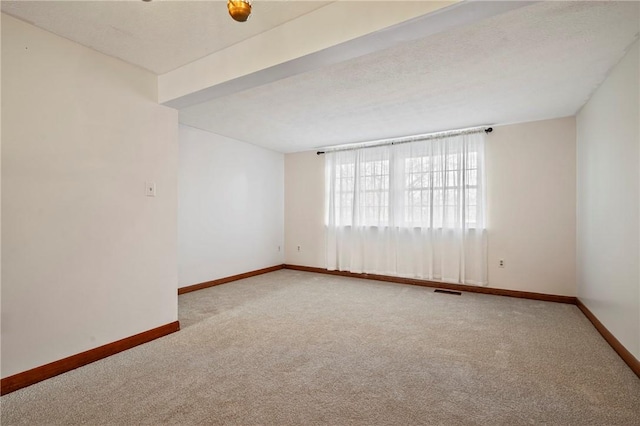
x=150, y=189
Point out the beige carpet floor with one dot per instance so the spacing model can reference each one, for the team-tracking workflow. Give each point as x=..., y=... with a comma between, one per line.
x=296, y=348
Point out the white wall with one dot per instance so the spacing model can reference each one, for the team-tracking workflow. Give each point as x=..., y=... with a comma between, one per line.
x=87, y=258
x=531, y=198
x=0, y=179
x=304, y=209
x=230, y=209
x=531, y=205
x=608, y=213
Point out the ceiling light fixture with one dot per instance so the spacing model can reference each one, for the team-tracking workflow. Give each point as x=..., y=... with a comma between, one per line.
x=239, y=9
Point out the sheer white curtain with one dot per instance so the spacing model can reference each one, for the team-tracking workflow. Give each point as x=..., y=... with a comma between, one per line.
x=412, y=210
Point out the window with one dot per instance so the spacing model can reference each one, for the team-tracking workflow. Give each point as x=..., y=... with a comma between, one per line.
x=414, y=209
x=433, y=185
x=344, y=181
x=361, y=191
x=441, y=190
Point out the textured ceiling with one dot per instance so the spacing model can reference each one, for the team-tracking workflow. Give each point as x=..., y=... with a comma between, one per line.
x=536, y=62
x=159, y=35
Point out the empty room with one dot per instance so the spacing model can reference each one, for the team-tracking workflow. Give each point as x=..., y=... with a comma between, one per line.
x=320, y=212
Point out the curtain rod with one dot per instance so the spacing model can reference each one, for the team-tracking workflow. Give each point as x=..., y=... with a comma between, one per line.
x=407, y=139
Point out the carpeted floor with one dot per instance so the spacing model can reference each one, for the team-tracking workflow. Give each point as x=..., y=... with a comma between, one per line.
x=296, y=348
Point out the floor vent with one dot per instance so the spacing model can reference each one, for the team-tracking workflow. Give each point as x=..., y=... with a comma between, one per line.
x=439, y=290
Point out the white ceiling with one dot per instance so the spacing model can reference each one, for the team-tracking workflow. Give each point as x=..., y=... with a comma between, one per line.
x=537, y=62
x=160, y=35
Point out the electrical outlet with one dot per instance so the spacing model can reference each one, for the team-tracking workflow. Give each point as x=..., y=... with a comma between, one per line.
x=298, y=248
x=278, y=248
x=501, y=263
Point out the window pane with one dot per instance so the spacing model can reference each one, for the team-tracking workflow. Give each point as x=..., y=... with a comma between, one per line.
x=452, y=162
x=472, y=194
x=472, y=160
x=452, y=178
x=471, y=177
x=471, y=216
x=438, y=180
